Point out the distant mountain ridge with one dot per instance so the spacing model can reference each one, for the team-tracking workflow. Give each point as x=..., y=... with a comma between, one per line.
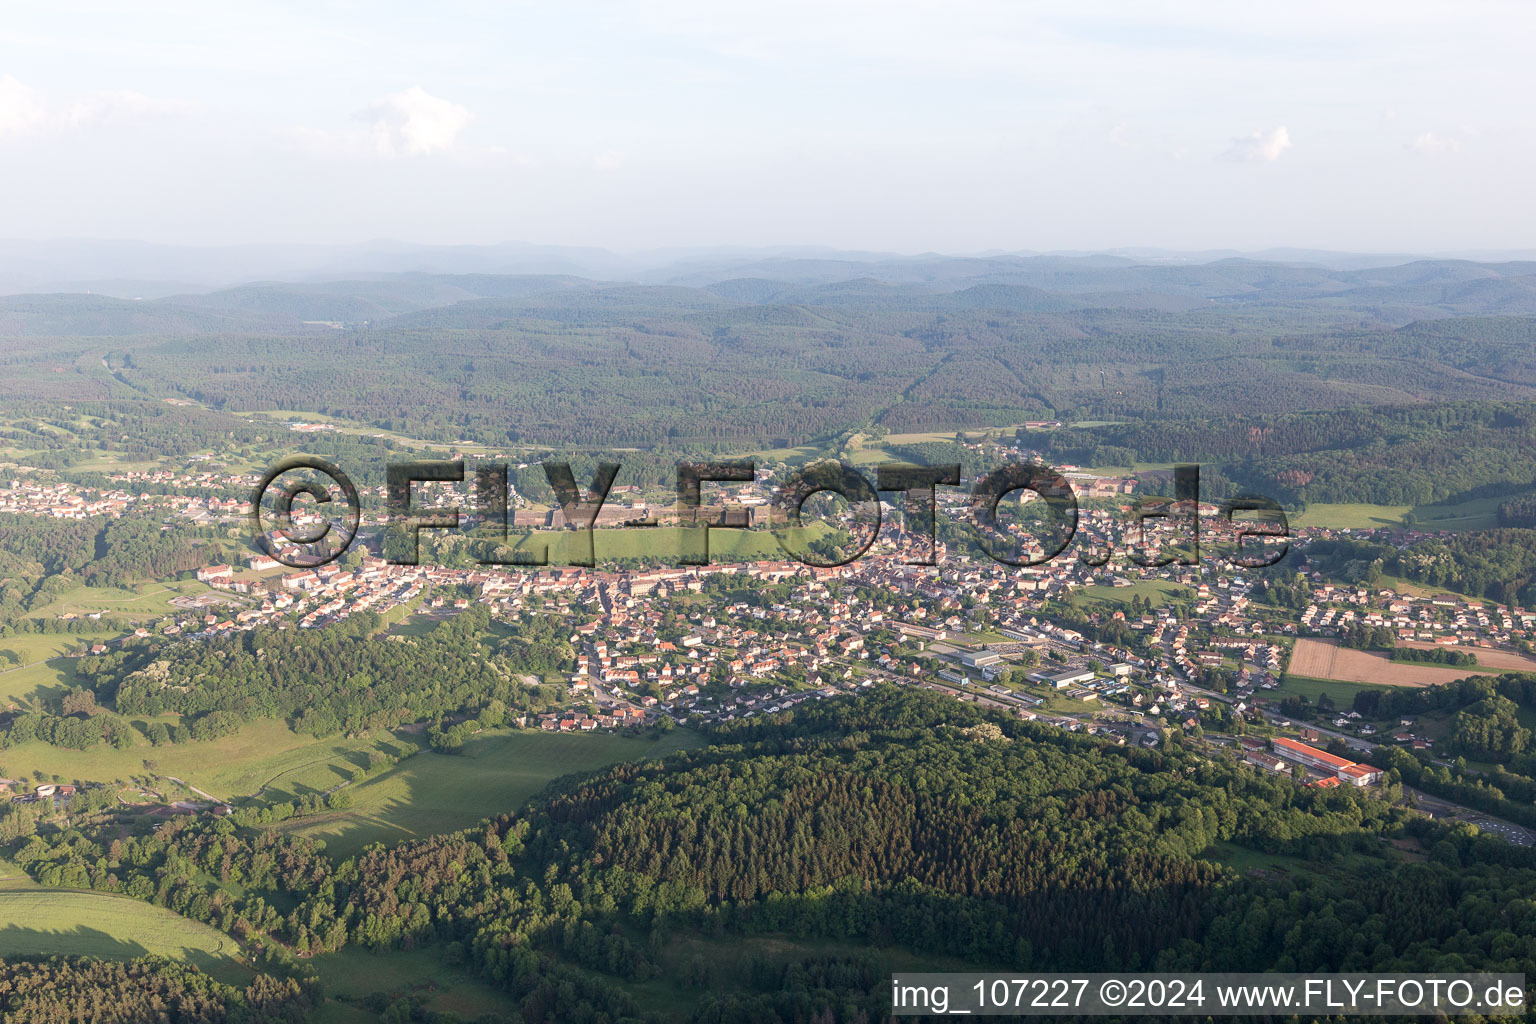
x=1386, y=296
x=132, y=269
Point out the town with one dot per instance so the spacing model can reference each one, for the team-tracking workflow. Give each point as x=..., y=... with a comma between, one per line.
x=1126, y=652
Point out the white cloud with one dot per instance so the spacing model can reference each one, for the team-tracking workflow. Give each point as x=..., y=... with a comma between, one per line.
x=25, y=111
x=1430, y=144
x=416, y=123
x=98, y=107
x=21, y=110
x=1261, y=147
x=611, y=160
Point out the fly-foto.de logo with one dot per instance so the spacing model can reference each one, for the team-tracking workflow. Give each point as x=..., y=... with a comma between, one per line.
x=1021, y=514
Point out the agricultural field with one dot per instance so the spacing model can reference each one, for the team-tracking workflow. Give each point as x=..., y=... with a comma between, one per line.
x=1320, y=659
x=47, y=921
x=1487, y=657
x=497, y=771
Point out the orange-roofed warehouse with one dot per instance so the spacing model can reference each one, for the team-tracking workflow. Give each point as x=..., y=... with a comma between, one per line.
x=1345, y=771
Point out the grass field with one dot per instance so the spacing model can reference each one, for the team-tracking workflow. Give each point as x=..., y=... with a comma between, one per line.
x=1243, y=859
x=42, y=673
x=262, y=753
x=35, y=647
x=1341, y=693
x=147, y=600
x=1415, y=589
x=723, y=958
x=353, y=973
x=781, y=454
x=1476, y=514
x=1140, y=467
x=1349, y=517
x=38, y=682
x=977, y=637
x=870, y=457
x=1159, y=592
x=497, y=772
x=34, y=921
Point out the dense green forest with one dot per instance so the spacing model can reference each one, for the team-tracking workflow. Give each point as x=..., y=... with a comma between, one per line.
x=65, y=990
x=348, y=677
x=1309, y=400
x=43, y=558
x=744, y=364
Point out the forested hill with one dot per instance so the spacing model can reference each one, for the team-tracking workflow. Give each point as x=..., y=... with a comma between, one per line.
x=1387, y=455
x=654, y=367
x=898, y=824
x=1305, y=383
x=907, y=817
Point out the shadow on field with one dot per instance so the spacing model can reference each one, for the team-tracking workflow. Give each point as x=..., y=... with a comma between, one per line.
x=76, y=941
x=17, y=941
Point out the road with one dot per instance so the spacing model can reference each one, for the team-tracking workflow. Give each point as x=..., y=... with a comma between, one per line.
x=188, y=785
x=1441, y=808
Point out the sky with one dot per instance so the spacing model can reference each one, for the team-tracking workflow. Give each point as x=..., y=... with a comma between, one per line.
x=964, y=126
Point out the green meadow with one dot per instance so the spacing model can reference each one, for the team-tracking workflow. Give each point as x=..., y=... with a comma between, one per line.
x=264, y=753
x=353, y=973
x=1342, y=693
x=497, y=771
x=145, y=601
x=1473, y=514
x=35, y=921
x=1159, y=592
x=1349, y=517
x=40, y=672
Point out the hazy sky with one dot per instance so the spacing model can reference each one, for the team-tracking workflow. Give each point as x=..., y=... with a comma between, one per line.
x=965, y=125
